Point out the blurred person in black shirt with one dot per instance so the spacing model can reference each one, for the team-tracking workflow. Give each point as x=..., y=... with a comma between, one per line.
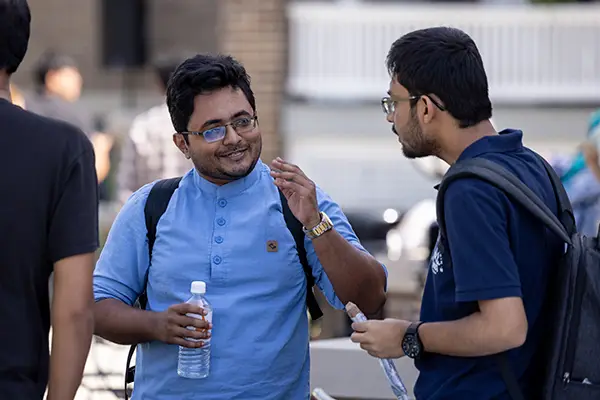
x=49, y=223
x=59, y=84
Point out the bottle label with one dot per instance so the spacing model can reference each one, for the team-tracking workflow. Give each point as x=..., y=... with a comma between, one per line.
x=207, y=318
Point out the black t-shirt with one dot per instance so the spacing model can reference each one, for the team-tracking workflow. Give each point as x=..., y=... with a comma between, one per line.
x=48, y=212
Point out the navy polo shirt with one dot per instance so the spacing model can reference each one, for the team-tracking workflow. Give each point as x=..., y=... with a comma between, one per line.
x=494, y=249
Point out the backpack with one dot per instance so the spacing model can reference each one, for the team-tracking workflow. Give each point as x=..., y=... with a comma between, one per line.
x=156, y=205
x=567, y=360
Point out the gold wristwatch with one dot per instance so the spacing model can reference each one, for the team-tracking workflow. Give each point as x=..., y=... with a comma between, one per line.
x=323, y=226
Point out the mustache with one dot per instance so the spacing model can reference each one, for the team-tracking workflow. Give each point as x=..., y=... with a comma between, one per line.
x=394, y=130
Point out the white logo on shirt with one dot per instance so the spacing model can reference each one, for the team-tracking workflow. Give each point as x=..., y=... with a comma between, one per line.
x=437, y=263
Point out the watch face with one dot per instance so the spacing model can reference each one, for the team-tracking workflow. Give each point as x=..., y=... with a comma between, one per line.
x=411, y=346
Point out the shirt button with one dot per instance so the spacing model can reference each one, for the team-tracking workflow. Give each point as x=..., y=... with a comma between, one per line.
x=222, y=203
x=219, y=239
x=217, y=260
x=221, y=221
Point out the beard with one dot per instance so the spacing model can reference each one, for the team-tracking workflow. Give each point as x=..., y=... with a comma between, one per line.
x=222, y=169
x=414, y=142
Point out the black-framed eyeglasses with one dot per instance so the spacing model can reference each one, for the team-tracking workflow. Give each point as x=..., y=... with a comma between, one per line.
x=388, y=103
x=241, y=125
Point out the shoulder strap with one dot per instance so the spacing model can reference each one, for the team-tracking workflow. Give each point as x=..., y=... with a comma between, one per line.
x=498, y=176
x=566, y=215
x=295, y=228
x=156, y=205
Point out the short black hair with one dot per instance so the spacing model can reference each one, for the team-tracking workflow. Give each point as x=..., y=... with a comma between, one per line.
x=50, y=61
x=446, y=62
x=15, y=21
x=203, y=73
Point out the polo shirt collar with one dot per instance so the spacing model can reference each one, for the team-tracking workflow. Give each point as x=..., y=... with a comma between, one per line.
x=505, y=141
x=230, y=189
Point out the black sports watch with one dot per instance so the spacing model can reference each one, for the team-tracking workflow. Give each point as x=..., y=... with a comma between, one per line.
x=411, y=343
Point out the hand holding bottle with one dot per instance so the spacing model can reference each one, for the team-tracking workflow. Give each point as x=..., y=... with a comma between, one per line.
x=172, y=325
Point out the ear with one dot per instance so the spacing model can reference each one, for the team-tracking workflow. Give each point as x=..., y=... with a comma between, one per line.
x=179, y=141
x=427, y=109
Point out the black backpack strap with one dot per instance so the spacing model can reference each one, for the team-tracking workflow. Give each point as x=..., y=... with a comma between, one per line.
x=156, y=205
x=566, y=215
x=295, y=228
x=515, y=189
x=509, y=378
x=512, y=186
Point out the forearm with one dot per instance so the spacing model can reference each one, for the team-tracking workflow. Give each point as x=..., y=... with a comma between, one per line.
x=356, y=276
x=120, y=323
x=472, y=336
x=71, y=339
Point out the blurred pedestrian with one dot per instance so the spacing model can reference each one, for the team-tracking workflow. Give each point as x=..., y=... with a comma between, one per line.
x=148, y=153
x=49, y=220
x=58, y=90
x=591, y=146
x=580, y=174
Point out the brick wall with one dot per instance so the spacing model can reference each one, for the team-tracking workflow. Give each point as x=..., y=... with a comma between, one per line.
x=255, y=32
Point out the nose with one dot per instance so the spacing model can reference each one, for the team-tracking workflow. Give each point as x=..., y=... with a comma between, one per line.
x=390, y=117
x=231, y=136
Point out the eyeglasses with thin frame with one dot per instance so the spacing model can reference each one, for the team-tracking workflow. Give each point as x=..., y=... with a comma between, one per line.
x=388, y=103
x=241, y=125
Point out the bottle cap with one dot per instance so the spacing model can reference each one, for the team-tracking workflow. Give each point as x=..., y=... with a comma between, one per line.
x=198, y=287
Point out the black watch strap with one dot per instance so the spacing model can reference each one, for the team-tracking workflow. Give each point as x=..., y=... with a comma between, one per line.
x=413, y=328
x=411, y=344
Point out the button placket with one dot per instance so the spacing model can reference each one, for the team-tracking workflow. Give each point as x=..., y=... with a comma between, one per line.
x=220, y=220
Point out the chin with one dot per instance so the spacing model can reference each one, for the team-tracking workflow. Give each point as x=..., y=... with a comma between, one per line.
x=412, y=154
x=241, y=168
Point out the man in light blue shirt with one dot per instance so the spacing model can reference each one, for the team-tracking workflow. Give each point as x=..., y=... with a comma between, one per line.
x=216, y=229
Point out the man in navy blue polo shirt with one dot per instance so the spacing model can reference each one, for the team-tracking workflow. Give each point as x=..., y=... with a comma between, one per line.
x=487, y=280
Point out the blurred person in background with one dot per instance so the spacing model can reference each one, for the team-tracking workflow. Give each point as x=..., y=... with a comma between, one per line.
x=489, y=273
x=581, y=177
x=49, y=220
x=59, y=83
x=148, y=153
x=591, y=147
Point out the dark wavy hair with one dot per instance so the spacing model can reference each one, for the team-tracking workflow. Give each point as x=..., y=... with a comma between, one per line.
x=202, y=74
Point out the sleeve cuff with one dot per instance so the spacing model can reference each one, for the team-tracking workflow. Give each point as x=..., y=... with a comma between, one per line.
x=74, y=251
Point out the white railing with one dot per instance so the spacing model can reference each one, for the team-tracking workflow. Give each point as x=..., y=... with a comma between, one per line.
x=531, y=53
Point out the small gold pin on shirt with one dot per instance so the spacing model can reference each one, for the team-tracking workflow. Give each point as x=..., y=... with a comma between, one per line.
x=272, y=246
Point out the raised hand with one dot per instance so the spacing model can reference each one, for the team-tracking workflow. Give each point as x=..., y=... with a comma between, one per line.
x=299, y=191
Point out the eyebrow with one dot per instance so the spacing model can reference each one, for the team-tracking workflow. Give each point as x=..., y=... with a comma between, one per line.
x=220, y=121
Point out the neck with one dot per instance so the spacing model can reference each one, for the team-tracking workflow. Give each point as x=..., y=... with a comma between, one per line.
x=5, y=86
x=460, y=139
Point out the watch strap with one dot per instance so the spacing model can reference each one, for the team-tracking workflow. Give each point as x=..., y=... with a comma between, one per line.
x=322, y=227
x=413, y=329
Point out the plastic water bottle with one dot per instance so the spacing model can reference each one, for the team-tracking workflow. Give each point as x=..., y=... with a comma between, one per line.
x=195, y=363
x=387, y=365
